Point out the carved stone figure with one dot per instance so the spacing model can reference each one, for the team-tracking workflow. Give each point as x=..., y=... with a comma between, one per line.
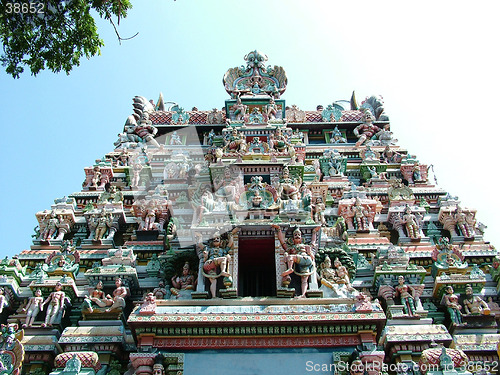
x=299, y=254
x=278, y=141
x=271, y=109
x=56, y=305
x=235, y=142
x=239, y=110
x=463, y=223
x=389, y=156
x=175, y=139
x=366, y=130
x=100, y=225
x=405, y=293
x=337, y=137
x=184, y=284
x=318, y=211
x=450, y=300
x=474, y=305
x=33, y=307
x=49, y=226
x=119, y=295
x=160, y=292
x=412, y=223
x=289, y=186
x=214, y=256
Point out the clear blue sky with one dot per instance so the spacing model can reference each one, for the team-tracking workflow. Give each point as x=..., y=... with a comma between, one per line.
x=435, y=63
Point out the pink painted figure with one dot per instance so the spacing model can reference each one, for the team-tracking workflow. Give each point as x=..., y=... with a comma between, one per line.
x=366, y=130
x=300, y=254
x=34, y=306
x=55, y=301
x=119, y=295
x=184, y=282
x=410, y=221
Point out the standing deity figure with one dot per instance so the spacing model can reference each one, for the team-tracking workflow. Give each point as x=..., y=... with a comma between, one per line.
x=366, y=130
x=474, y=305
x=405, y=293
x=318, y=211
x=389, y=156
x=101, y=224
x=183, y=284
x=4, y=302
x=33, y=307
x=150, y=218
x=463, y=225
x=206, y=205
x=342, y=275
x=56, y=302
x=136, y=174
x=50, y=223
x=450, y=300
x=239, y=110
x=216, y=256
x=96, y=178
x=175, y=139
x=271, y=109
x=299, y=254
x=360, y=216
x=411, y=223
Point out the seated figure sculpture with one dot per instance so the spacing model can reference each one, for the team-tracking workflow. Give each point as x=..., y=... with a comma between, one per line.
x=474, y=305
x=299, y=254
x=184, y=284
x=336, y=280
x=97, y=302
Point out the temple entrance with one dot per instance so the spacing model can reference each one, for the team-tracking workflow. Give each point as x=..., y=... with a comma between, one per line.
x=256, y=267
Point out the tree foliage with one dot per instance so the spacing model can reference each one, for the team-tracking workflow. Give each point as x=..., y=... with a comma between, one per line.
x=53, y=34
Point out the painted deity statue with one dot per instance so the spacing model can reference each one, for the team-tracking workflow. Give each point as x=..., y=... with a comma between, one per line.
x=474, y=305
x=56, y=305
x=289, y=186
x=160, y=292
x=463, y=225
x=360, y=216
x=318, y=211
x=278, y=141
x=337, y=137
x=450, y=300
x=50, y=225
x=271, y=109
x=366, y=130
x=3, y=300
x=405, y=293
x=236, y=142
x=299, y=254
x=239, y=110
x=183, y=284
x=175, y=139
x=34, y=306
x=411, y=223
x=216, y=256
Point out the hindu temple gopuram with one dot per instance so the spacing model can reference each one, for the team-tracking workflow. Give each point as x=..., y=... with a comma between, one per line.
x=260, y=238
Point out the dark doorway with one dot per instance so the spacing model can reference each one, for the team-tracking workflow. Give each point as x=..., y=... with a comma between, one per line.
x=256, y=267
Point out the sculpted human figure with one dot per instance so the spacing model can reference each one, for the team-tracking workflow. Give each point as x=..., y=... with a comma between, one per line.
x=236, y=141
x=411, y=223
x=327, y=273
x=451, y=302
x=175, y=139
x=462, y=224
x=34, y=306
x=278, y=141
x=405, y=293
x=360, y=216
x=318, y=211
x=3, y=300
x=341, y=274
x=136, y=173
x=474, y=305
x=271, y=109
x=160, y=292
x=55, y=301
x=214, y=256
x=240, y=109
x=300, y=254
x=289, y=186
x=389, y=156
x=366, y=130
x=102, y=224
x=119, y=295
x=184, y=282
x=146, y=131
x=206, y=205
x=416, y=173
x=51, y=223
x=337, y=137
